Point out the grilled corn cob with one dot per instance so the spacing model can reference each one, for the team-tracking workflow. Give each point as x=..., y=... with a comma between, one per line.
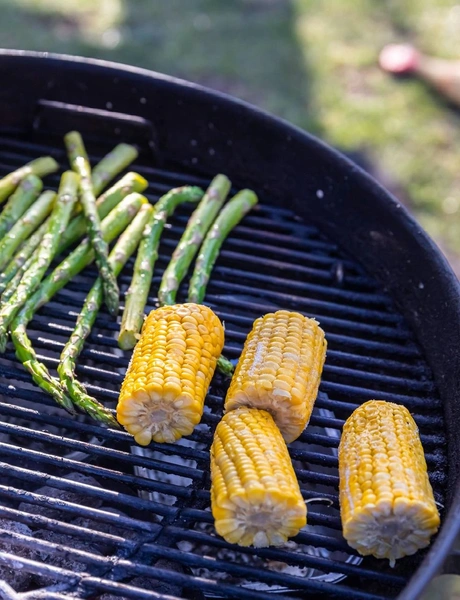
x=163, y=393
x=255, y=495
x=386, y=501
x=279, y=370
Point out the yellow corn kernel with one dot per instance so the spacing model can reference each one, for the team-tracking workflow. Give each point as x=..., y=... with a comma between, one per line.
x=386, y=500
x=280, y=369
x=255, y=496
x=163, y=393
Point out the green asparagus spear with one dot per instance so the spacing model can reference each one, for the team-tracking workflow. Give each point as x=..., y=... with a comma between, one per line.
x=40, y=167
x=67, y=197
x=13, y=284
x=131, y=182
x=17, y=264
x=21, y=230
x=26, y=193
x=80, y=164
x=136, y=296
x=228, y=218
x=111, y=165
x=115, y=222
x=197, y=227
x=123, y=249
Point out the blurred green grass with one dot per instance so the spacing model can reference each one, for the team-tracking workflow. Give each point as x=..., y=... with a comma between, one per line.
x=311, y=62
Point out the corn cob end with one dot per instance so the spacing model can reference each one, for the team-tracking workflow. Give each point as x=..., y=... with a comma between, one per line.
x=255, y=495
x=162, y=396
x=386, y=500
x=159, y=416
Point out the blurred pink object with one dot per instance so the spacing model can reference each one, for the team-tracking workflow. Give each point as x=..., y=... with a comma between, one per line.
x=399, y=58
x=441, y=74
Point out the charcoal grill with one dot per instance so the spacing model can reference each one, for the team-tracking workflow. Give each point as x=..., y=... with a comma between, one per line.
x=85, y=514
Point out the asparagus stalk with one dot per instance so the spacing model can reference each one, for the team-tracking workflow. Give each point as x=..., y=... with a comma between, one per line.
x=115, y=222
x=111, y=165
x=24, y=226
x=197, y=227
x=26, y=193
x=229, y=217
x=23, y=256
x=131, y=182
x=136, y=296
x=80, y=164
x=122, y=250
x=13, y=284
x=57, y=223
x=40, y=166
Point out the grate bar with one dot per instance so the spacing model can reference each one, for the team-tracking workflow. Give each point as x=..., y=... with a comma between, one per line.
x=88, y=469
x=42, y=522
x=322, y=564
x=103, y=452
x=126, y=567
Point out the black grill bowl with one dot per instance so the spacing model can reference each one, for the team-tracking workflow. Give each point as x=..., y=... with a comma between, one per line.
x=328, y=241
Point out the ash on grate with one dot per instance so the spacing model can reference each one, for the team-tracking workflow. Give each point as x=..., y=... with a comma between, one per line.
x=163, y=476
x=14, y=574
x=75, y=497
x=147, y=583
x=233, y=555
x=20, y=580
x=16, y=437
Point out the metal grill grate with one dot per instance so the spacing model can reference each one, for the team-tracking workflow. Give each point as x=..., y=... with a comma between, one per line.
x=84, y=512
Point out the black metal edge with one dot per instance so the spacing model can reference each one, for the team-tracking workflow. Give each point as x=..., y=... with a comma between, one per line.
x=379, y=232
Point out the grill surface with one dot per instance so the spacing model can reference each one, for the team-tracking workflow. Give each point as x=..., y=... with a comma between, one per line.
x=84, y=512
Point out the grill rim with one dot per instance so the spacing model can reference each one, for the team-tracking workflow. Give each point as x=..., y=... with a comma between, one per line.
x=432, y=314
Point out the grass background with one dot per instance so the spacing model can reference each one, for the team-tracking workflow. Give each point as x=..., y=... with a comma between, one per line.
x=311, y=62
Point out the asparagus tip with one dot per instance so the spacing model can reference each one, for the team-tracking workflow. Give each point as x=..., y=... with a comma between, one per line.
x=225, y=366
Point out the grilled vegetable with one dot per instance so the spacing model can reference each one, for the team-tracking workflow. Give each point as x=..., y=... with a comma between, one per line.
x=123, y=249
x=162, y=395
x=136, y=296
x=255, y=496
x=12, y=286
x=197, y=227
x=57, y=223
x=16, y=267
x=40, y=167
x=115, y=222
x=26, y=193
x=24, y=226
x=131, y=182
x=228, y=218
x=386, y=500
x=80, y=164
x=280, y=369
x=111, y=165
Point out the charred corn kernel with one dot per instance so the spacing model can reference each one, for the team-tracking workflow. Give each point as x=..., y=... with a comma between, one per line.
x=386, y=501
x=280, y=369
x=255, y=496
x=172, y=365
